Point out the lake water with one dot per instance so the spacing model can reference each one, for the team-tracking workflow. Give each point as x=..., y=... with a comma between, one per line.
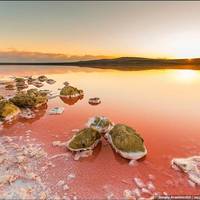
x=162, y=105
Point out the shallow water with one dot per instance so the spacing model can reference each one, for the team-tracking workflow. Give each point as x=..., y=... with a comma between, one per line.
x=162, y=105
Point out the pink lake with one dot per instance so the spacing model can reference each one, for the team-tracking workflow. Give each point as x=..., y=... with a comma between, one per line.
x=162, y=105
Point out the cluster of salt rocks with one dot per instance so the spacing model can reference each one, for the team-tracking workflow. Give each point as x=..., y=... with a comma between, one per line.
x=142, y=190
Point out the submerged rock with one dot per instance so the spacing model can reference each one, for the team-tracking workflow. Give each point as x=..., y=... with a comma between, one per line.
x=66, y=83
x=45, y=92
x=85, y=139
x=10, y=87
x=100, y=123
x=126, y=141
x=42, y=78
x=56, y=111
x=94, y=101
x=50, y=81
x=71, y=100
x=8, y=110
x=30, y=99
x=69, y=91
x=190, y=166
x=21, y=85
x=38, y=84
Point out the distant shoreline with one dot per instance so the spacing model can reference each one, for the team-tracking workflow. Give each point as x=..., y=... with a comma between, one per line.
x=124, y=63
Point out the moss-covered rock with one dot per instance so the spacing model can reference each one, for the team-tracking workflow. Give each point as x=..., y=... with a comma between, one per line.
x=8, y=110
x=17, y=80
x=30, y=80
x=29, y=99
x=70, y=91
x=42, y=78
x=126, y=139
x=85, y=139
x=1, y=98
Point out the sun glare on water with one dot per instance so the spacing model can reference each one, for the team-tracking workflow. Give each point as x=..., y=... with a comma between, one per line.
x=185, y=75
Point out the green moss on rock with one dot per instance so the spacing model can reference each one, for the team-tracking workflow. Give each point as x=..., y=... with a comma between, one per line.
x=84, y=139
x=1, y=98
x=30, y=99
x=69, y=91
x=126, y=139
x=8, y=109
x=18, y=80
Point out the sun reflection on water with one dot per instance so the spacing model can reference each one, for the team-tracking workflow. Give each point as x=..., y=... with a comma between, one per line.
x=186, y=75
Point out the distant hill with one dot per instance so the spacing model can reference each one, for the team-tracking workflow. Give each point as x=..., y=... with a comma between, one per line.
x=135, y=63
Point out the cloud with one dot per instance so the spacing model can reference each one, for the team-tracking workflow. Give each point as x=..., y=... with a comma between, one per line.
x=26, y=56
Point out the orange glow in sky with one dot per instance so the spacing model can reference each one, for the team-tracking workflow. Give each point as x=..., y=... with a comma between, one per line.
x=114, y=29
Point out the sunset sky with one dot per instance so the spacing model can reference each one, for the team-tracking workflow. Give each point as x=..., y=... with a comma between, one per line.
x=84, y=30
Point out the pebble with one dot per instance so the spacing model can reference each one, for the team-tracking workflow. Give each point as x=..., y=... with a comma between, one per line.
x=136, y=193
x=150, y=186
x=60, y=183
x=139, y=183
x=133, y=163
x=65, y=187
x=71, y=176
x=127, y=194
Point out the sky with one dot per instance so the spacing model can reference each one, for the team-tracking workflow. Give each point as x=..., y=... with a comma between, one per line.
x=42, y=31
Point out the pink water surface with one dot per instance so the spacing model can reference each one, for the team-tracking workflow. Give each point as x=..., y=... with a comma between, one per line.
x=162, y=105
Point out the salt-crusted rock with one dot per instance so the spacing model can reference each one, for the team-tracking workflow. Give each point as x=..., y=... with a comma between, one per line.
x=94, y=101
x=59, y=143
x=82, y=154
x=190, y=166
x=100, y=123
x=56, y=111
x=126, y=141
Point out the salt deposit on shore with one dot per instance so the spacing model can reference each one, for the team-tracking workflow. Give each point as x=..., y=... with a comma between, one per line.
x=21, y=164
